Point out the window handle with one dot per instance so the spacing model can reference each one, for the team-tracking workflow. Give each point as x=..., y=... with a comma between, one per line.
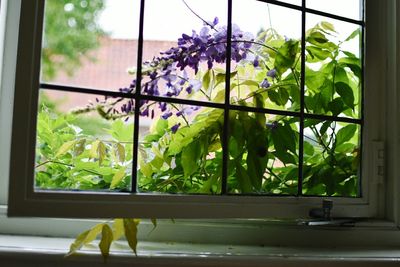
x=324, y=212
x=322, y=216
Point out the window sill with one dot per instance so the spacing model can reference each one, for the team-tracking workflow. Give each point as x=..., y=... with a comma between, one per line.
x=45, y=251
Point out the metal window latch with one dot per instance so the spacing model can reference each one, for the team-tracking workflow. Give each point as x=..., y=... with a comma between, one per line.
x=322, y=216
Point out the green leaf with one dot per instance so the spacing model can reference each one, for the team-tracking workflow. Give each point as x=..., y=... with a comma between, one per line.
x=255, y=169
x=190, y=156
x=308, y=148
x=285, y=157
x=317, y=38
x=279, y=97
x=117, y=178
x=314, y=80
x=120, y=152
x=118, y=229
x=336, y=106
x=65, y=148
x=345, y=91
x=324, y=127
x=106, y=240
x=161, y=126
x=286, y=56
x=235, y=150
x=317, y=54
x=352, y=62
x=130, y=226
x=284, y=138
x=243, y=179
x=207, y=80
x=145, y=168
x=101, y=151
x=122, y=132
x=345, y=134
x=327, y=26
x=353, y=34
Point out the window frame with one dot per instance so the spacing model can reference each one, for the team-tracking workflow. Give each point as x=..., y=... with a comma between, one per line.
x=24, y=202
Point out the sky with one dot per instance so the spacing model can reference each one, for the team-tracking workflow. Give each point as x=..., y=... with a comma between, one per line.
x=167, y=20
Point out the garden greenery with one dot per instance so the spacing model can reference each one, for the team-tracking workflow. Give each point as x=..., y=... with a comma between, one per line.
x=182, y=151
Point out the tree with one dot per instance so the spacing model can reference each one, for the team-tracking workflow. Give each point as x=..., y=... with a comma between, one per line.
x=71, y=32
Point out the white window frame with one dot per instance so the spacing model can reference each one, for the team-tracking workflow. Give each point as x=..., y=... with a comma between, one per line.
x=23, y=201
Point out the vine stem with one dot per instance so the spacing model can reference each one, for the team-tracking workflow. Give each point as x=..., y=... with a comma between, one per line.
x=183, y=116
x=197, y=15
x=65, y=164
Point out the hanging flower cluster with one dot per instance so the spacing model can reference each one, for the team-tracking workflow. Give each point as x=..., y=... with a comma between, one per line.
x=167, y=75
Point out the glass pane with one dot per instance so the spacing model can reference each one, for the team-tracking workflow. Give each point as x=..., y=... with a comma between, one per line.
x=263, y=154
x=183, y=56
x=331, y=158
x=266, y=63
x=82, y=144
x=90, y=43
x=293, y=2
x=345, y=8
x=181, y=150
x=333, y=67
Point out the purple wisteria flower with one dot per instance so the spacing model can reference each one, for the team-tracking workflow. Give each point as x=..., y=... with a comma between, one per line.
x=256, y=62
x=265, y=84
x=166, y=115
x=271, y=73
x=175, y=127
x=166, y=75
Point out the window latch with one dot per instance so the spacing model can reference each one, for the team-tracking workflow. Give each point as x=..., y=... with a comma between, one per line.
x=322, y=216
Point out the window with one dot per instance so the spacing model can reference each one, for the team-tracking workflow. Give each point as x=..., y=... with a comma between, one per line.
x=232, y=185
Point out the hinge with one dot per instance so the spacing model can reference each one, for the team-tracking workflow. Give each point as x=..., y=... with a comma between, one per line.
x=378, y=161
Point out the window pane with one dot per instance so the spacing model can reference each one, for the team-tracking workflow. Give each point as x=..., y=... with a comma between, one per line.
x=345, y=8
x=331, y=158
x=181, y=150
x=82, y=144
x=267, y=75
x=263, y=154
x=188, y=75
x=90, y=43
x=293, y=2
x=333, y=67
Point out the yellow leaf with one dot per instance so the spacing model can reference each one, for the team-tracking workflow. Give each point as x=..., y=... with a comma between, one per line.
x=78, y=243
x=130, y=226
x=85, y=238
x=120, y=152
x=106, y=240
x=93, y=149
x=65, y=147
x=117, y=178
x=118, y=228
x=93, y=233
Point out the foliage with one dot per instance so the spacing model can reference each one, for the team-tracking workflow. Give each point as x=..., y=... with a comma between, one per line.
x=182, y=151
x=118, y=229
x=71, y=32
x=68, y=158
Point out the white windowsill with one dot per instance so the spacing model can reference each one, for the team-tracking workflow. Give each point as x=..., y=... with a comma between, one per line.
x=45, y=251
